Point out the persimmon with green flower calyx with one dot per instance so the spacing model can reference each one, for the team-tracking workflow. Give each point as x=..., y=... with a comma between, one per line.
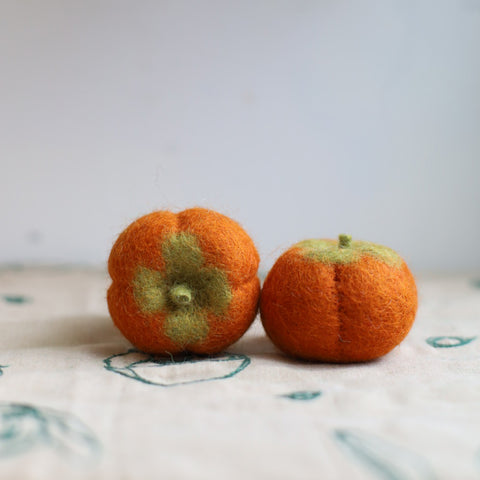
x=338, y=301
x=183, y=282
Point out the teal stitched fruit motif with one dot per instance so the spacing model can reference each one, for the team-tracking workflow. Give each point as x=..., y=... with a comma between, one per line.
x=25, y=427
x=449, y=342
x=303, y=395
x=16, y=299
x=386, y=460
x=169, y=372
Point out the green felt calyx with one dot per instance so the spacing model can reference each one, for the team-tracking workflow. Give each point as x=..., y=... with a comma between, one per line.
x=346, y=251
x=186, y=291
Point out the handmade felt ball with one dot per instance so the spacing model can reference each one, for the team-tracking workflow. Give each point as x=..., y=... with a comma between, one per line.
x=183, y=282
x=338, y=301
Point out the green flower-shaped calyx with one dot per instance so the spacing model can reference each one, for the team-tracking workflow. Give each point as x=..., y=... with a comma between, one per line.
x=347, y=250
x=187, y=290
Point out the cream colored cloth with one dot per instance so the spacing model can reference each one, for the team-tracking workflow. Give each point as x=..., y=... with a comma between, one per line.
x=77, y=403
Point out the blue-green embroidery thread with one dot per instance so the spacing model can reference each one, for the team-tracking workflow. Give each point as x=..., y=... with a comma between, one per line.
x=21, y=429
x=1, y=369
x=355, y=446
x=449, y=342
x=25, y=427
x=477, y=459
x=18, y=299
x=303, y=395
x=129, y=370
x=388, y=461
x=476, y=282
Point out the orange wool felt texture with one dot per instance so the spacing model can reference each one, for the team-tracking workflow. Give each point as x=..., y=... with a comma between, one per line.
x=338, y=302
x=183, y=282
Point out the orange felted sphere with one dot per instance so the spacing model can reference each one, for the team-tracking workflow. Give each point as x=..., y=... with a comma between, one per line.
x=183, y=282
x=345, y=301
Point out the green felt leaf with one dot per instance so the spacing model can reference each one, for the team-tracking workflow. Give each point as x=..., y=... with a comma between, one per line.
x=186, y=327
x=347, y=251
x=149, y=290
x=212, y=290
x=182, y=254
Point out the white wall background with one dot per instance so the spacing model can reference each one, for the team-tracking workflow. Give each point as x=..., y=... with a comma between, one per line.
x=297, y=118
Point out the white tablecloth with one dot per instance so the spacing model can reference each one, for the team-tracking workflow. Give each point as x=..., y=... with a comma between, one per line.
x=78, y=402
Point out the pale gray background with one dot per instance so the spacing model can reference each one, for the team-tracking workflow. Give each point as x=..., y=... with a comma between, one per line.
x=299, y=119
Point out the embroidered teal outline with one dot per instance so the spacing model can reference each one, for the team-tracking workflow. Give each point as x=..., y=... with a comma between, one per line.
x=129, y=371
x=25, y=427
x=14, y=441
x=435, y=341
x=16, y=299
x=356, y=447
x=303, y=395
x=1, y=369
x=388, y=461
x=475, y=282
x=477, y=459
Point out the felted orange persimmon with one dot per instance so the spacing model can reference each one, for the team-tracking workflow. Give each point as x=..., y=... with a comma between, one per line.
x=183, y=282
x=345, y=301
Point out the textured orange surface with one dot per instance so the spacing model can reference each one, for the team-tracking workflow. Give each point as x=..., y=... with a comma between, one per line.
x=337, y=312
x=225, y=245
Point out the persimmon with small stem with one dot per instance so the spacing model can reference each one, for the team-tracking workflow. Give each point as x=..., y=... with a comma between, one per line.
x=183, y=282
x=338, y=301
